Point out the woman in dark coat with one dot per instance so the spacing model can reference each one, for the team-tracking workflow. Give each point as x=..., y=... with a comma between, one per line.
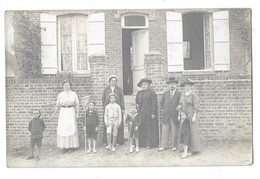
x=114, y=88
x=189, y=101
x=146, y=99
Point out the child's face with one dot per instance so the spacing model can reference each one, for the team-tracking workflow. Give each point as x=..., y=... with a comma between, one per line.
x=112, y=99
x=36, y=114
x=133, y=109
x=183, y=115
x=91, y=106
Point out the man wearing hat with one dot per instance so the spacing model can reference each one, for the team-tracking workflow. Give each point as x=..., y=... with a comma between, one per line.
x=169, y=103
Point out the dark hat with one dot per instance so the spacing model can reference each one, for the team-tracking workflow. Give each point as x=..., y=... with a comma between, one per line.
x=144, y=80
x=111, y=77
x=172, y=80
x=187, y=81
x=112, y=94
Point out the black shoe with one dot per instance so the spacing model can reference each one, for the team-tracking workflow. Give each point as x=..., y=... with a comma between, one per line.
x=64, y=151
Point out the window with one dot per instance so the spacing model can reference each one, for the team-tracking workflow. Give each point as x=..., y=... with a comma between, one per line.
x=72, y=41
x=134, y=20
x=197, y=31
x=69, y=40
x=198, y=41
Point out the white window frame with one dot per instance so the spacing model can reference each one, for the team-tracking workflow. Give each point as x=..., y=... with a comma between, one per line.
x=74, y=46
x=211, y=42
x=134, y=27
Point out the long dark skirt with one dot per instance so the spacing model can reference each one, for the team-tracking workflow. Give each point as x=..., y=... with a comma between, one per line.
x=148, y=133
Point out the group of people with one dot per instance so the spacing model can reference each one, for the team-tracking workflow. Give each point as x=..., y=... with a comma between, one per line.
x=179, y=118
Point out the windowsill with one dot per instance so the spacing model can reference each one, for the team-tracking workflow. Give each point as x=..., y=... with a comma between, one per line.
x=86, y=75
x=198, y=72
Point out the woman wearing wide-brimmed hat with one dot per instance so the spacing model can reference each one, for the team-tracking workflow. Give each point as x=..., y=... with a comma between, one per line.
x=67, y=129
x=146, y=99
x=114, y=88
x=190, y=102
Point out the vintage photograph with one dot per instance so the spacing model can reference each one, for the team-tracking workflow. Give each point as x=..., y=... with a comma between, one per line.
x=128, y=87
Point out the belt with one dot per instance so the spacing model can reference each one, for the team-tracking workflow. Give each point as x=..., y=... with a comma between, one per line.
x=67, y=106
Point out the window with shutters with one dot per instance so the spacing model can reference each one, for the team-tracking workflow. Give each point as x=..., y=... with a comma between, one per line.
x=197, y=33
x=73, y=43
x=198, y=41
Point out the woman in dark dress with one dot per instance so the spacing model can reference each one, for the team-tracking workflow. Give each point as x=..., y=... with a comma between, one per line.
x=146, y=99
x=114, y=88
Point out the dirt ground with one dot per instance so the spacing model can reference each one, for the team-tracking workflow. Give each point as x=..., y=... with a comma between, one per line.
x=213, y=154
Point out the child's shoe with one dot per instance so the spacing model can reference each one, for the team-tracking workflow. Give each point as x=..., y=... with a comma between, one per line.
x=137, y=149
x=94, y=151
x=89, y=151
x=113, y=149
x=184, y=155
x=131, y=149
x=108, y=147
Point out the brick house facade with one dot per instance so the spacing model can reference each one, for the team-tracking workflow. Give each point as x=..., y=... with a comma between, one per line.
x=132, y=44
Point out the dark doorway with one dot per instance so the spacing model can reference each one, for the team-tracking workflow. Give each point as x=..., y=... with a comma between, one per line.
x=127, y=71
x=193, y=34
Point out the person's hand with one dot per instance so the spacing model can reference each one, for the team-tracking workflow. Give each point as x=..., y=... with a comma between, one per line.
x=179, y=118
x=153, y=116
x=96, y=129
x=136, y=128
x=178, y=108
x=130, y=123
x=77, y=116
x=84, y=128
x=194, y=118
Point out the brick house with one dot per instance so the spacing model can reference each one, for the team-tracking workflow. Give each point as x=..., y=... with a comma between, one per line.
x=206, y=45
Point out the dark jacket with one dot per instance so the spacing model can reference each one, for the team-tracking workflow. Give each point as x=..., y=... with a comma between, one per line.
x=118, y=91
x=169, y=106
x=147, y=103
x=134, y=119
x=92, y=119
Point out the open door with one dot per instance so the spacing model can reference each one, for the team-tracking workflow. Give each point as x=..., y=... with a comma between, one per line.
x=139, y=48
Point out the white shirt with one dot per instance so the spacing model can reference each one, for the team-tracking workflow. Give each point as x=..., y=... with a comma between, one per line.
x=112, y=89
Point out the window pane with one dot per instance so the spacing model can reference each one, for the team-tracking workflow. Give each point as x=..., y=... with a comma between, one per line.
x=81, y=23
x=66, y=60
x=82, y=61
x=66, y=43
x=82, y=43
x=66, y=25
x=135, y=21
x=208, y=61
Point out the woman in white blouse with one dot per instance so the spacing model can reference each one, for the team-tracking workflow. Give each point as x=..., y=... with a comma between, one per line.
x=67, y=130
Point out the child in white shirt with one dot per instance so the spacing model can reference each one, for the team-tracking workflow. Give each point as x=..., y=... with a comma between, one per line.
x=113, y=120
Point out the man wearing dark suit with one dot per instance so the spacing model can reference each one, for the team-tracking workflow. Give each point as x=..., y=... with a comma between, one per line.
x=169, y=103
